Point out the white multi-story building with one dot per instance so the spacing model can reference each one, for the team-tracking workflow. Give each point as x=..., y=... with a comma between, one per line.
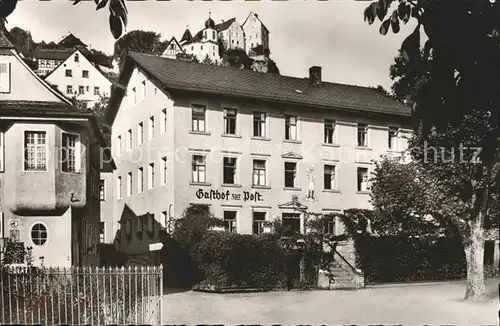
x=80, y=77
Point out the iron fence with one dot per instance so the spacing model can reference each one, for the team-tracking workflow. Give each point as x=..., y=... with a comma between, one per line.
x=81, y=295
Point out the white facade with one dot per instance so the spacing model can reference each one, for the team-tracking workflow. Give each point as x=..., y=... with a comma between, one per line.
x=204, y=44
x=233, y=36
x=255, y=33
x=77, y=76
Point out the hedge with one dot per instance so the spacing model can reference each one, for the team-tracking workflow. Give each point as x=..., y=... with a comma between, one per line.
x=396, y=259
x=236, y=260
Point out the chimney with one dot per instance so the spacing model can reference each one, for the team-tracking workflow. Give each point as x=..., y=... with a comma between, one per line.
x=315, y=76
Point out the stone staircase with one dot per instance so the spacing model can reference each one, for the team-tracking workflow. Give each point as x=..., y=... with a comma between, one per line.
x=341, y=274
x=338, y=278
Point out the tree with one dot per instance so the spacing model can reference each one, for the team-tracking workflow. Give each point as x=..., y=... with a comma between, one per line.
x=207, y=60
x=407, y=78
x=138, y=41
x=117, y=13
x=456, y=107
x=237, y=58
x=23, y=40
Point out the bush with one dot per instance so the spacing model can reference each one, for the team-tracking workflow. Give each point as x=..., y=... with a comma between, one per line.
x=236, y=260
x=398, y=258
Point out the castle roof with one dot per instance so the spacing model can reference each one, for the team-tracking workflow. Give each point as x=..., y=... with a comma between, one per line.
x=178, y=75
x=186, y=36
x=209, y=23
x=225, y=25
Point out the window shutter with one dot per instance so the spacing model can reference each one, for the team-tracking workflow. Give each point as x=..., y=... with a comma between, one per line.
x=5, y=77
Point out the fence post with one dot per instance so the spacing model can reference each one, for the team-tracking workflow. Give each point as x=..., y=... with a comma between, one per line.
x=161, y=295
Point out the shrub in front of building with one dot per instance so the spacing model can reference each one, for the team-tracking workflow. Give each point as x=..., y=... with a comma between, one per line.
x=400, y=259
x=229, y=260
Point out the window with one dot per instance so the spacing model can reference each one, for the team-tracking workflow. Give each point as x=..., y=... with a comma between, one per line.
x=393, y=136
x=134, y=95
x=85, y=73
x=290, y=127
x=259, y=124
x=140, y=180
x=81, y=90
x=258, y=222
x=102, y=190
x=102, y=233
x=69, y=153
x=213, y=35
x=329, y=130
x=198, y=117
x=128, y=227
x=2, y=151
x=164, y=170
x=151, y=131
x=119, y=187
x=330, y=226
x=164, y=121
x=143, y=89
x=290, y=175
x=69, y=73
x=129, y=139
x=39, y=234
x=329, y=177
x=151, y=175
x=291, y=222
x=230, y=221
x=199, y=168
x=69, y=89
x=129, y=184
x=229, y=173
x=119, y=147
x=35, y=151
x=230, y=121
x=362, y=130
x=151, y=223
x=140, y=134
x=87, y=88
x=139, y=225
x=362, y=179
x=164, y=218
x=259, y=172
x=77, y=58
x=5, y=77
x=96, y=90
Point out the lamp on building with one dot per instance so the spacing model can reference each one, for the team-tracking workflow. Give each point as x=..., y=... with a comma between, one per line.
x=73, y=198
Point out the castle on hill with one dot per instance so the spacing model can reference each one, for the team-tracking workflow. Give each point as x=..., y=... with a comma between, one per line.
x=252, y=36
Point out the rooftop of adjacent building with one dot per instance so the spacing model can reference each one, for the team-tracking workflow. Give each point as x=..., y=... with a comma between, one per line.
x=226, y=81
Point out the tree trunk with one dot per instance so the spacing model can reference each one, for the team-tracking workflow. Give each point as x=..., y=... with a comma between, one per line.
x=474, y=255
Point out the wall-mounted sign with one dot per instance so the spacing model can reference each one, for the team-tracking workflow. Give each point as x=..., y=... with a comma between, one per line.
x=228, y=195
x=14, y=224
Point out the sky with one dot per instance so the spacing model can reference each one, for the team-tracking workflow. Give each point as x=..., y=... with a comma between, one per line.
x=330, y=34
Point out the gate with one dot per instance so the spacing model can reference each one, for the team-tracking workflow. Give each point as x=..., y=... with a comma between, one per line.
x=88, y=295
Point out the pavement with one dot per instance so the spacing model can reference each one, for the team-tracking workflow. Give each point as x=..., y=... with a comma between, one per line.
x=410, y=304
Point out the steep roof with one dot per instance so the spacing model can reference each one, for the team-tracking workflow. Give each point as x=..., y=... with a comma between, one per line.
x=5, y=37
x=219, y=80
x=71, y=40
x=225, y=25
x=256, y=16
x=62, y=54
x=186, y=36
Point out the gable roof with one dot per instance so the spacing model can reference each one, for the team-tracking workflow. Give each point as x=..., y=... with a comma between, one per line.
x=173, y=39
x=256, y=16
x=5, y=37
x=224, y=25
x=233, y=82
x=71, y=40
